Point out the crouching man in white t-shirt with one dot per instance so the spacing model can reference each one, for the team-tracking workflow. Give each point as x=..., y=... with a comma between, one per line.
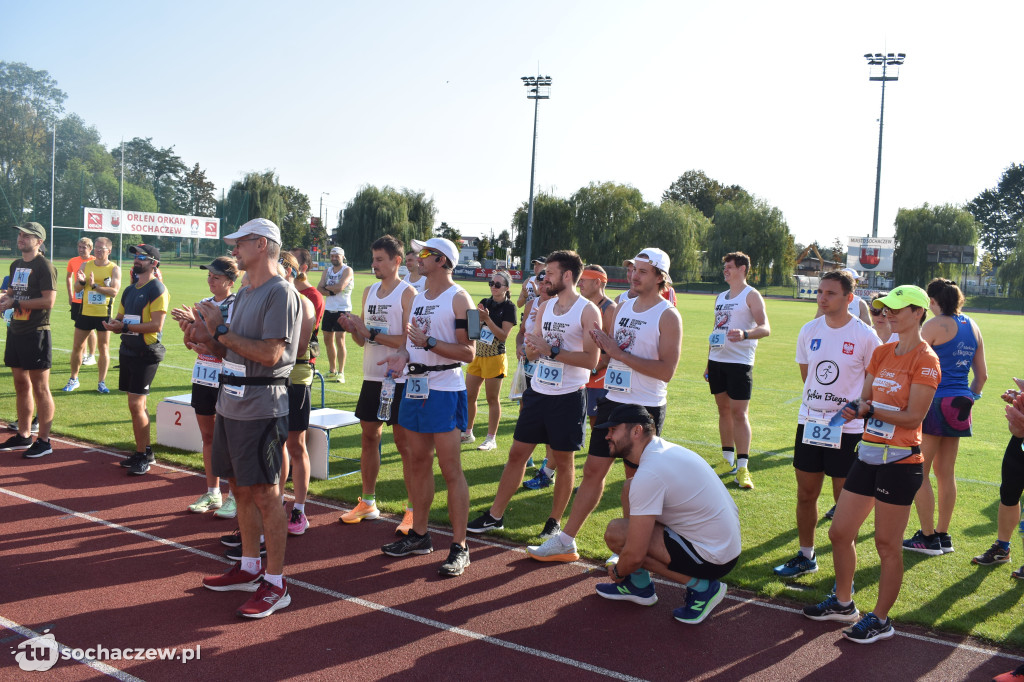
x=680, y=522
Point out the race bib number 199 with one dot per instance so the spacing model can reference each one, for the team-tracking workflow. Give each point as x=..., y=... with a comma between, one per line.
x=549, y=373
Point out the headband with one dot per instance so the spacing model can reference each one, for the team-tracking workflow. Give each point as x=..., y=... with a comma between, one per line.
x=594, y=274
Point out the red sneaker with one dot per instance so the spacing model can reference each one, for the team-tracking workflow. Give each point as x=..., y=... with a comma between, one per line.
x=235, y=579
x=267, y=599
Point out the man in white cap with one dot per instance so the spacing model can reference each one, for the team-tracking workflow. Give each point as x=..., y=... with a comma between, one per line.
x=643, y=347
x=259, y=348
x=858, y=307
x=434, y=411
x=336, y=283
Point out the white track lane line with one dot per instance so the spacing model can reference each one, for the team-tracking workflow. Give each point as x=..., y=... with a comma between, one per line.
x=469, y=634
x=512, y=548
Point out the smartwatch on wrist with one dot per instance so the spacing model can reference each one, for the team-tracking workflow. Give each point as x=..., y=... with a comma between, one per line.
x=746, y=335
x=871, y=412
x=373, y=335
x=220, y=331
x=555, y=350
x=431, y=342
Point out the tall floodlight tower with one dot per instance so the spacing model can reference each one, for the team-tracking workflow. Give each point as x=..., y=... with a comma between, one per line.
x=538, y=88
x=885, y=61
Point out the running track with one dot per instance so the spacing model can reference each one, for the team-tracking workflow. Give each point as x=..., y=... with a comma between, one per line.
x=98, y=558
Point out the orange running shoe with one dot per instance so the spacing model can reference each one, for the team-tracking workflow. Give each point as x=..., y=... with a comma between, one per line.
x=362, y=511
x=406, y=525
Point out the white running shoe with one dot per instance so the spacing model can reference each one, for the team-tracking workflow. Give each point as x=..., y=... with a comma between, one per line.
x=488, y=444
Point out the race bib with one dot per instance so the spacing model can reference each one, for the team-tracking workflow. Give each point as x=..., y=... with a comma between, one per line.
x=132, y=319
x=379, y=329
x=417, y=387
x=206, y=373
x=96, y=298
x=235, y=370
x=20, y=279
x=877, y=427
x=717, y=339
x=486, y=335
x=549, y=372
x=529, y=368
x=822, y=434
x=618, y=379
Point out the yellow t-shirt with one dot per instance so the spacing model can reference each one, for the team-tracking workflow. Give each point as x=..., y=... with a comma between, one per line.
x=95, y=304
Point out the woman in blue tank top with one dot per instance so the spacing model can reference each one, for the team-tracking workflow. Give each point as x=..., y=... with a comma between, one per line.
x=957, y=341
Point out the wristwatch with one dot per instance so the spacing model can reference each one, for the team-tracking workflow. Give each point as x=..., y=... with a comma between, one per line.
x=93, y=286
x=431, y=342
x=555, y=350
x=220, y=331
x=373, y=335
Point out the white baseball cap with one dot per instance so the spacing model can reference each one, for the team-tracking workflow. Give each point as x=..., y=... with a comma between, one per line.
x=655, y=257
x=338, y=250
x=261, y=227
x=852, y=273
x=439, y=244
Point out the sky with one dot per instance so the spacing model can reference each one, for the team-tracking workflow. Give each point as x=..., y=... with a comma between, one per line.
x=333, y=96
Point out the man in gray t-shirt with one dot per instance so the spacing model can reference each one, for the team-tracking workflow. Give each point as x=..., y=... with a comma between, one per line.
x=259, y=349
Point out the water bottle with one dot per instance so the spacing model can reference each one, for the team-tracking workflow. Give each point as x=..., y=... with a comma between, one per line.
x=387, y=394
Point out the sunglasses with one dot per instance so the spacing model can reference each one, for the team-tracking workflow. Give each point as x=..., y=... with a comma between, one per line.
x=427, y=253
x=143, y=257
x=496, y=285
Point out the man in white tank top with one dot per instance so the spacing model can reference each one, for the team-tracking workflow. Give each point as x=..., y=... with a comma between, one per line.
x=414, y=278
x=643, y=346
x=740, y=319
x=554, y=405
x=379, y=331
x=528, y=291
x=434, y=412
x=335, y=285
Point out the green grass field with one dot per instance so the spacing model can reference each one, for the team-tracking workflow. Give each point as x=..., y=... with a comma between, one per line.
x=947, y=592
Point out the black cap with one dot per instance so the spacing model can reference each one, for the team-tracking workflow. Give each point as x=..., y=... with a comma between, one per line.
x=540, y=259
x=146, y=250
x=224, y=266
x=627, y=414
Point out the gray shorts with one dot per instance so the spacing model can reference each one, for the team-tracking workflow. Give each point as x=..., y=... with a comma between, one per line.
x=249, y=451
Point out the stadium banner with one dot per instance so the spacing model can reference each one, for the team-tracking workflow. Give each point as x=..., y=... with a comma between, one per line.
x=866, y=253
x=151, y=224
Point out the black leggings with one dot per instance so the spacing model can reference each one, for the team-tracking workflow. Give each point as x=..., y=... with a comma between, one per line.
x=1012, y=486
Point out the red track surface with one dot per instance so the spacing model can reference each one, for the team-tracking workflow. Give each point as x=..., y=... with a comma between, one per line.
x=97, y=557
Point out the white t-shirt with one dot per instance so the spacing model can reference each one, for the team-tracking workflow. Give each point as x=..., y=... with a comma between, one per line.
x=836, y=360
x=683, y=492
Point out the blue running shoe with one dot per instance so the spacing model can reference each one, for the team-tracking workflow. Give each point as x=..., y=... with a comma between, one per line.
x=699, y=604
x=869, y=629
x=798, y=565
x=71, y=385
x=627, y=591
x=102, y=388
x=831, y=609
x=541, y=480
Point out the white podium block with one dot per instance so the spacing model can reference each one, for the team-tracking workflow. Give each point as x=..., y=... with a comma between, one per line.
x=176, y=425
x=318, y=438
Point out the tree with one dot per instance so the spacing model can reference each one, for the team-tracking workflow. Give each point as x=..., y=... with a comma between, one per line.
x=698, y=190
x=603, y=220
x=30, y=104
x=679, y=230
x=1000, y=213
x=483, y=245
x=1011, y=274
x=759, y=230
x=503, y=245
x=265, y=196
x=159, y=170
x=916, y=228
x=295, y=230
x=374, y=212
x=839, y=251
x=195, y=193
x=551, y=226
x=450, y=233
